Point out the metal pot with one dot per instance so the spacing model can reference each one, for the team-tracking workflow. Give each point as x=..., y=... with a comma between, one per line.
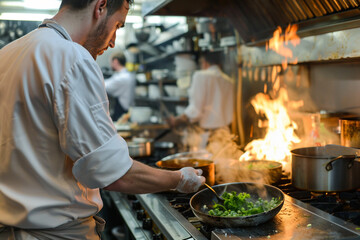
x=140, y=147
x=350, y=132
x=143, y=147
x=190, y=159
x=204, y=199
x=314, y=170
x=263, y=171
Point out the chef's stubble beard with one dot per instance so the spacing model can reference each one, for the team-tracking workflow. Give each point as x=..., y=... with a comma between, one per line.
x=95, y=39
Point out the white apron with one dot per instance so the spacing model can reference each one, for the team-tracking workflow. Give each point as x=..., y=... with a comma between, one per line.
x=85, y=228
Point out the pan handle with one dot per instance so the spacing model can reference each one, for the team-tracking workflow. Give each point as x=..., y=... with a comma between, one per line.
x=351, y=158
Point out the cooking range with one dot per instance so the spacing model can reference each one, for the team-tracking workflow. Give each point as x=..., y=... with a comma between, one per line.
x=305, y=215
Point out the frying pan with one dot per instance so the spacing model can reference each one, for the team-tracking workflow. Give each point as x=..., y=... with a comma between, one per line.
x=203, y=200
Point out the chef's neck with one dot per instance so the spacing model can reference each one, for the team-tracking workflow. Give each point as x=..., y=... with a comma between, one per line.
x=76, y=22
x=205, y=65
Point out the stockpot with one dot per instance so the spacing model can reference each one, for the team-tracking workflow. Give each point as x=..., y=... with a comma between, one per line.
x=314, y=170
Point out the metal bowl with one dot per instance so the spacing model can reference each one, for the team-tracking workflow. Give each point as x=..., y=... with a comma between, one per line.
x=198, y=160
x=204, y=199
x=264, y=171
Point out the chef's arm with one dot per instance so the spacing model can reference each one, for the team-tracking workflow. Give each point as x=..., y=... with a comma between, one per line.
x=142, y=178
x=178, y=121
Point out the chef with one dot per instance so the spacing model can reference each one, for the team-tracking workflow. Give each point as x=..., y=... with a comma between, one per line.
x=211, y=98
x=58, y=144
x=121, y=85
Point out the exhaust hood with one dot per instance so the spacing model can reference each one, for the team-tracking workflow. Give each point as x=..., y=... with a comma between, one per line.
x=256, y=20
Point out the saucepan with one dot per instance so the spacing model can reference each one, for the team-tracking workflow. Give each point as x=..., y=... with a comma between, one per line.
x=197, y=160
x=203, y=200
x=143, y=147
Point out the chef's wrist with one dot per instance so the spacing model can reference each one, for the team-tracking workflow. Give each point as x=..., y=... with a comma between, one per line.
x=178, y=178
x=181, y=120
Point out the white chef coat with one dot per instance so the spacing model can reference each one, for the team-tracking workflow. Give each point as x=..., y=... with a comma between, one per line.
x=211, y=98
x=58, y=145
x=122, y=86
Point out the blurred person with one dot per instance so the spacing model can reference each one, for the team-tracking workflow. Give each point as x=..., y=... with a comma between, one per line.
x=121, y=85
x=58, y=144
x=211, y=100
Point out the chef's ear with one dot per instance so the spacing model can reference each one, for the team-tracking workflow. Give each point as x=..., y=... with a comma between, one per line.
x=100, y=8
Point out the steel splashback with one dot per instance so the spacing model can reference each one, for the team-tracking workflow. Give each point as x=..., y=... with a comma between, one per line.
x=256, y=20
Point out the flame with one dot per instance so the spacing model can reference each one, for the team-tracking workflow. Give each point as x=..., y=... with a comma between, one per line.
x=280, y=42
x=280, y=134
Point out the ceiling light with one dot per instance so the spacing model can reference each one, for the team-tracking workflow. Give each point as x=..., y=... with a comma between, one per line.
x=24, y=16
x=11, y=4
x=133, y=19
x=33, y=4
x=42, y=4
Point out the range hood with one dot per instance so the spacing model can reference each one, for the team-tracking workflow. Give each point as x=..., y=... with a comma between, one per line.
x=256, y=20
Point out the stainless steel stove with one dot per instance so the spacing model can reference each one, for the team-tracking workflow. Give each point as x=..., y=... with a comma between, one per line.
x=168, y=216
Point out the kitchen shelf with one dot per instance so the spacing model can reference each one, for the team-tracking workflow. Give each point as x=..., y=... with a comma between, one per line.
x=165, y=56
x=175, y=99
x=171, y=35
x=179, y=100
x=157, y=82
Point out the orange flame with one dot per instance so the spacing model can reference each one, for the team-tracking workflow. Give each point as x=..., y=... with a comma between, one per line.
x=280, y=133
x=280, y=136
x=280, y=42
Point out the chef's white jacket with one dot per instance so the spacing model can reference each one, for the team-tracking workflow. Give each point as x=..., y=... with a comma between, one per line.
x=211, y=98
x=58, y=145
x=122, y=86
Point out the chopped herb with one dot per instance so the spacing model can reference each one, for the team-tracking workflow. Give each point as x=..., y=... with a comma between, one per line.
x=239, y=205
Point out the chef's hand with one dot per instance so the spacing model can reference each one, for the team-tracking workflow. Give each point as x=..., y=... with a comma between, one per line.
x=191, y=180
x=177, y=121
x=171, y=121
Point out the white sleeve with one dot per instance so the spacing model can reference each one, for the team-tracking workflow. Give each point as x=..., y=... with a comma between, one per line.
x=86, y=132
x=197, y=98
x=117, y=84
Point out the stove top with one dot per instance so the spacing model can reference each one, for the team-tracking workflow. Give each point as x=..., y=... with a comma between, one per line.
x=344, y=205
x=305, y=215
x=296, y=220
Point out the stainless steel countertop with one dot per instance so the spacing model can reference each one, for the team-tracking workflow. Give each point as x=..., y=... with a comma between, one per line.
x=296, y=220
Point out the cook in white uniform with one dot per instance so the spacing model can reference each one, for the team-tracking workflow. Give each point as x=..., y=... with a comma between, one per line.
x=211, y=98
x=121, y=85
x=58, y=144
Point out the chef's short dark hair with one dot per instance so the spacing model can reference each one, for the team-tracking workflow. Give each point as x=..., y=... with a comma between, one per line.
x=120, y=57
x=212, y=57
x=112, y=5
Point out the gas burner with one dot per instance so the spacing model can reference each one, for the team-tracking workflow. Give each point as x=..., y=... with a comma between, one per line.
x=323, y=194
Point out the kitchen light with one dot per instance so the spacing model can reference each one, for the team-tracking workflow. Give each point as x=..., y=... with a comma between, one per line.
x=33, y=4
x=24, y=16
x=133, y=19
x=11, y=4
x=42, y=4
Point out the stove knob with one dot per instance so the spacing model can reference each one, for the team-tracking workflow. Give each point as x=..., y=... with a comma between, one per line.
x=136, y=205
x=157, y=236
x=147, y=224
x=140, y=214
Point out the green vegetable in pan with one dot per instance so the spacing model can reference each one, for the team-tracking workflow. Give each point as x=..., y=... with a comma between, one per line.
x=239, y=205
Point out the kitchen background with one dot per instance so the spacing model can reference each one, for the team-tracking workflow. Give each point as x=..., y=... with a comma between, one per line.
x=314, y=73
x=170, y=39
